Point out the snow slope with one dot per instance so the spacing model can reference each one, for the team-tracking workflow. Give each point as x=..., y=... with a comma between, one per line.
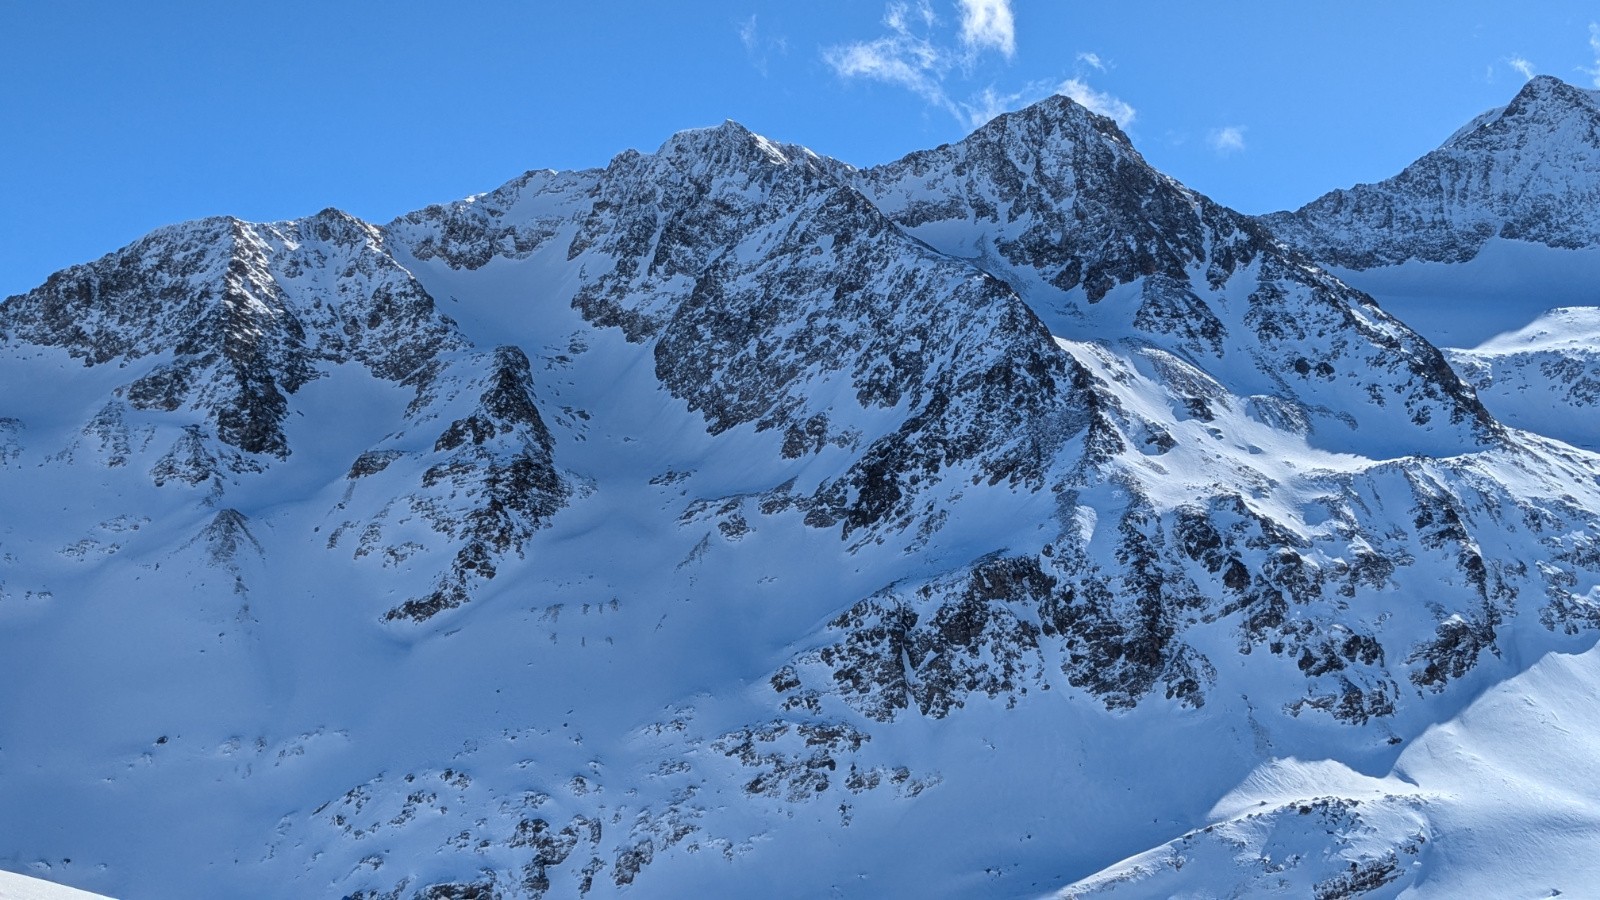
x=21, y=887
x=1544, y=377
x=731, y=520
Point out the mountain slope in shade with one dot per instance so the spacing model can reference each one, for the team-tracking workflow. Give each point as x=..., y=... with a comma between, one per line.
x=1529, y=171
x=731, y=519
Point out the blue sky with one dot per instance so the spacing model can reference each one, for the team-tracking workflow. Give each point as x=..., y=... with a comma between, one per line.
x=120, y=117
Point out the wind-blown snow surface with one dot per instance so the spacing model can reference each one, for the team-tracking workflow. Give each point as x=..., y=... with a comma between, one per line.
x=732, y=520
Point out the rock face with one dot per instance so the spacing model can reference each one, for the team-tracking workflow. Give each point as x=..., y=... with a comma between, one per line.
x=225, y=320
x=1054, y=200
x=1528, y=171
x=488, y=483
x=747, y=496
x=1195, y=304
x=772, y=294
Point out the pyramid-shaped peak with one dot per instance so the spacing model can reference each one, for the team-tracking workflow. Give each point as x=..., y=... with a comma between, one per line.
x=1543, y=104
x=1527, y=171
x=1548, y=89
x=1546, y=98
x=729, y=141
x=1056, y=115
x=337, y=226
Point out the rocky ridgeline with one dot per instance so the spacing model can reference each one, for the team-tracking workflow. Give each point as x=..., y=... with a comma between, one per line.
x=224, y=321
x=772, y=293
x=1528, y=171
x=1404, y=587
x=1121, y=612
x=1055, y=201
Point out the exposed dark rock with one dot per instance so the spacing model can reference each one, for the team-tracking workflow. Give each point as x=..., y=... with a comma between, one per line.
x=496, y=468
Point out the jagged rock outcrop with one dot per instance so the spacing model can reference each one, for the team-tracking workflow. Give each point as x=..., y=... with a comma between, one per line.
x=227, y=319
x=485, y=486
x=1055, y=201
x=773, y=294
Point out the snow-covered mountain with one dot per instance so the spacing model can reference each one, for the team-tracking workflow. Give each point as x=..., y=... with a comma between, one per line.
x=1006, y=519
x=1528, y=171
x=1490, y=246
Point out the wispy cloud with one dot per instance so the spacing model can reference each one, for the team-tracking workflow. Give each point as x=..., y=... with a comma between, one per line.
x=758, y=47
x=1594, y=46
x=1226, y=140
x=1524, y=67
x=1100, y=102
x=915, y=57
x=988, y=103
x=988, y=25
x=898, y=15
x=922, y=54
x=901, y=57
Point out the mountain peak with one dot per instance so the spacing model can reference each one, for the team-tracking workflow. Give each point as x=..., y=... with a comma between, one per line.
x=1548, y=88
x=1526, y=171
x=1545, y=97
x=729, y=141
x=1056, y=115
x=1544, y=104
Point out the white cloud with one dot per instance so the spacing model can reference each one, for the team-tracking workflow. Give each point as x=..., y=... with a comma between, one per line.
x=1594, y=45
x=987, y=104
x=1521, y=65
x=1229, y=139
x=988, y=24
x=924, y=55
x=895, y=16
x=905, y=61
x=758, y=47
x=914, y=57
x=1097, y=101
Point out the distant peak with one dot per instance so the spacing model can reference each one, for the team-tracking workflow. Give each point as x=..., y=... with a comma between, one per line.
x=335, y=214
x=1544, y=90
x=1059, y=114
x=727, y=132
x=1541, y=103
x=337, y=226
x=729, y=141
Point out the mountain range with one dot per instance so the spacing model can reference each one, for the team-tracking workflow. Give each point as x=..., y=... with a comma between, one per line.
x=1006, y=520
